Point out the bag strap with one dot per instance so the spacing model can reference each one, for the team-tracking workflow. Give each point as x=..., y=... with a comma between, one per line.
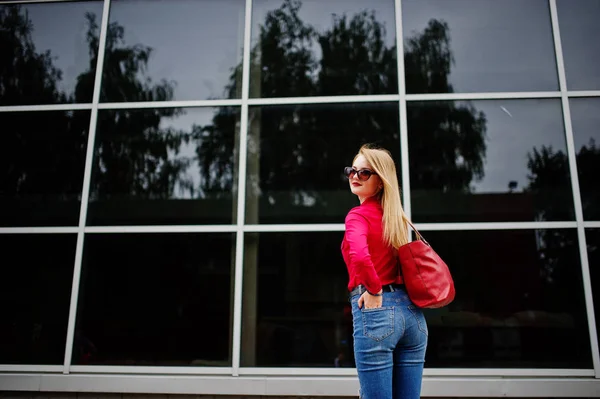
x=419, y=235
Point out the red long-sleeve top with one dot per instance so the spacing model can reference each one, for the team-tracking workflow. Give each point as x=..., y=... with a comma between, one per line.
x=369, y=260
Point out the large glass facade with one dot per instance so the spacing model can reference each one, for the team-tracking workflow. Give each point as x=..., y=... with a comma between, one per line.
x=171, y=188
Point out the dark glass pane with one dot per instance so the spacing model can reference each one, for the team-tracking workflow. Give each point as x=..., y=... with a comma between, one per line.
x=163, y=50
x=585, y=116
x=579, y=32
x=48, y=52
x=296, y=155
x=295, y=302
x=592, y=236
x=323, y=48
x=519, y=299
x=155, y=299
x=165, y=166
x=478, y=46
x=42, y=159
x=36, y=275
x=493, y=161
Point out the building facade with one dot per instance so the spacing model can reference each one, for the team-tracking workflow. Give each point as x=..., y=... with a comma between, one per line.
x=173, y=199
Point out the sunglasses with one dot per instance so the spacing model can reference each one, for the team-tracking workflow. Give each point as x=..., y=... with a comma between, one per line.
x=362, y=174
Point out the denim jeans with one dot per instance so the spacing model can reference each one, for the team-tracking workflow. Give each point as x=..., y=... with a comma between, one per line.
x=389, y=347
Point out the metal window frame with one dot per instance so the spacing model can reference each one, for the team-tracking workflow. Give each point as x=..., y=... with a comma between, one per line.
x=301, y=381
x=438, y=386
x=36, y=1
x=86, y=188
x=572, y=155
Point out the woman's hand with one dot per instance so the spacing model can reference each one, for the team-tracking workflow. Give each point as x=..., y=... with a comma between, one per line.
x=370, y=301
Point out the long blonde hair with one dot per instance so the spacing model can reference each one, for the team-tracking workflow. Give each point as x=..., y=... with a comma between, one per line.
x=395, y=230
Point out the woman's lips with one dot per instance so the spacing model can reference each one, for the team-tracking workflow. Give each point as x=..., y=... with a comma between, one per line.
x=355, y=184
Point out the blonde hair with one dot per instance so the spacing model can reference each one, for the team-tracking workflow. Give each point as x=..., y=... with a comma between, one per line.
x=395, y=230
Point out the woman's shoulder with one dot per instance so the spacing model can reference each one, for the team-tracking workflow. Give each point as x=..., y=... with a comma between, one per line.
x=356, y=212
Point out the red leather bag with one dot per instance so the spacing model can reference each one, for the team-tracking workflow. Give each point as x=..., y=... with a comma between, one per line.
x=426, y=276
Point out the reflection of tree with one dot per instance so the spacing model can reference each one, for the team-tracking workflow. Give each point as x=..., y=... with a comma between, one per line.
x=355, y=59
x=26, y=76
x=550, y=185
x=447, y=144
x=132, y=150
x=134, y=154
x=123, y=72
x=282, y=61
x=447, y=141
x=588, y=164
x=34, y=163
x=216, y=152
x=550, y=182
x=296, y=144
x=428, y=60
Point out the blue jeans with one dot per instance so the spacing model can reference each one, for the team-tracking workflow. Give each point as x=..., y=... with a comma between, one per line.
x=389, y=347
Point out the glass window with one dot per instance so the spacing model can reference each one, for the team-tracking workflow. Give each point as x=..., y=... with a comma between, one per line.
x=165, y=166
x=579, y=30
x=585, y=116
x=36, y=275
x=48, y=52
x=478, y=46
x=296, y=156
x=42, y=159
x=488, y=161
x=323, y=48
x=592, y=236
x=310, y=324
x=518, y=294
x=161, y=50
x=155, y=299
x=295, y=303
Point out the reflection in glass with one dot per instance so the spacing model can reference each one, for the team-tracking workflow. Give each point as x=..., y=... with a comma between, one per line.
x=478, y=46
x=501, y=160
x=36, y=275
x=165, y=166
x=48, y=53
x=323, y=48
x=42, y=159
x=295, y=310
x=296, y=156
x=592, y=237
x=585, y=116
x=579, y=32
x=519, y=293
x=173, y=50
x=155, y=299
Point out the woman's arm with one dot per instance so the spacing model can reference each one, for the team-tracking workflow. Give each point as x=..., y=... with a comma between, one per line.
x=357, y=229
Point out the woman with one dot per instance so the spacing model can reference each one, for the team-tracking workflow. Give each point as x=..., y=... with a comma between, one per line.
x=390, y=332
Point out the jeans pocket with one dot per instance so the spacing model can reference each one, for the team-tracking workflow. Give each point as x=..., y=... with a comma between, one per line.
x=422, y=323
x=378, y=323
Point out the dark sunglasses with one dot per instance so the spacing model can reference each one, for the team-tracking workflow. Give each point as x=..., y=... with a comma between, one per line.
x=363, y=174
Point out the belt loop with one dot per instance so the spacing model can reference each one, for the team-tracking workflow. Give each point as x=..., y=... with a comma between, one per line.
x=392, y=289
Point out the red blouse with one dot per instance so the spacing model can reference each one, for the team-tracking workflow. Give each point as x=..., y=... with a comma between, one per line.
x=369, y=260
